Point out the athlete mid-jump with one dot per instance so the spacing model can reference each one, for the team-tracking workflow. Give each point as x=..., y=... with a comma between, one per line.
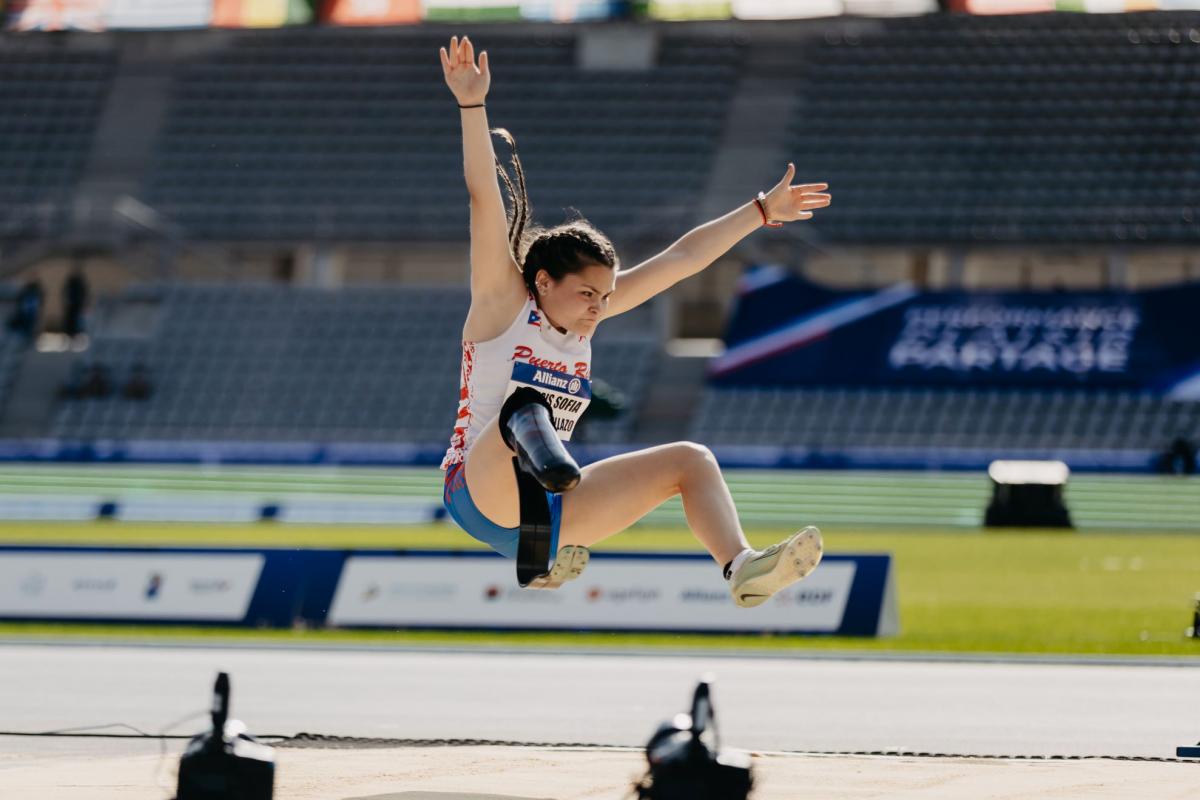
x=537, y=296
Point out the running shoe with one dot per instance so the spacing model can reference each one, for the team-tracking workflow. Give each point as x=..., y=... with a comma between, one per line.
x=778, y=566
x=568, y=565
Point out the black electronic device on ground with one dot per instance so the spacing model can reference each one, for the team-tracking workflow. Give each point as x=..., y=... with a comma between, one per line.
x=1027, y=494
x=687, y=762
x=226, y=763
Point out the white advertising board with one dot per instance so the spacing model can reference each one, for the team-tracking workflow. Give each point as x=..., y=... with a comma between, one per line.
x=213, y=587
x=615, y=592
x=160, y=14
x=180, y=508
x=357, y=511
x=55, y=507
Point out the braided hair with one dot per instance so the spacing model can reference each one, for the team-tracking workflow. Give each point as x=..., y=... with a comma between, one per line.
x=561, y=250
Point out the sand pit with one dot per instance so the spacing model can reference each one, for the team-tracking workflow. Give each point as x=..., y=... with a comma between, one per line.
x=507, y=773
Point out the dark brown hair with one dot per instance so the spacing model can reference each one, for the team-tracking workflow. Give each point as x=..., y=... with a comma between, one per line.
x=562, y=250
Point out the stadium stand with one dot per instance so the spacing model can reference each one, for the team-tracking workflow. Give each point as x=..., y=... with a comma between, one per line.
x=12, y=346
x=263, y=363
x=340, y=135
x=1039, y=128
x=1037, y=374
x=50, y=101
x=269, y=364
x=938, y=131
x=996, y=421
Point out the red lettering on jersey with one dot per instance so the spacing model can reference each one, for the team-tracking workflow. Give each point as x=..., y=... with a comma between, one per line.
x=525, y=353
x=545, y=363
x=581, y=369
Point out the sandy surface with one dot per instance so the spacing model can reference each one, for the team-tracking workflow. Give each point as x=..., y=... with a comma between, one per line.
x=501, y=773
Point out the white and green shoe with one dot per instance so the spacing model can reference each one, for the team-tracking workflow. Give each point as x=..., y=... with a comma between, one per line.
x=778, y=566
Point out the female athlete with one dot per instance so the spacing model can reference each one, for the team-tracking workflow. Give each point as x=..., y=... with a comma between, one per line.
x=537, y=296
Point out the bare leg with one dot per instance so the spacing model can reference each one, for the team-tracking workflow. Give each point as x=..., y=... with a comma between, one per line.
x=490, y=477
x=616, y=492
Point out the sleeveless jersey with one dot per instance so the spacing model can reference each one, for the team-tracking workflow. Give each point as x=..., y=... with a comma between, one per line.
x=529, y=353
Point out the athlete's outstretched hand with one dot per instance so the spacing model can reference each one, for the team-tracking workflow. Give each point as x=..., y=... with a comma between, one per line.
x=468, y=82
x=787, y=203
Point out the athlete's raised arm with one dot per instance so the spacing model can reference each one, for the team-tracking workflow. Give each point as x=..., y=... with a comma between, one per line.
x=703, y=245
x=496, y=284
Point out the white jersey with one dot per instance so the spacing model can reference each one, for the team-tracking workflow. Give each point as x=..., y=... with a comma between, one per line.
x=529, y=353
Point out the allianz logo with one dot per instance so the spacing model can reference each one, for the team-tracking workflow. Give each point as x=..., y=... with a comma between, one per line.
x=571, y=385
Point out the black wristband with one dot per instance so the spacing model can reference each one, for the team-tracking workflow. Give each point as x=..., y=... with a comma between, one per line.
x=477, y=105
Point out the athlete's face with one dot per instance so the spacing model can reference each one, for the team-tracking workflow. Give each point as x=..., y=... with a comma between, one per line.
x=579, y=301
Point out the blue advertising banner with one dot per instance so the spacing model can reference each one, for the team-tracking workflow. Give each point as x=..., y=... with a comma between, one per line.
x=847, y=595
x=786, y=331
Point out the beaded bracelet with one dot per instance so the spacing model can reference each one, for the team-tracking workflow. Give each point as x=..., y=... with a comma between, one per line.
x=761, y=202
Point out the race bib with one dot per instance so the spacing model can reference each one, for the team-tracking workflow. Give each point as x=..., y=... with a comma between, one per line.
x=567, y=394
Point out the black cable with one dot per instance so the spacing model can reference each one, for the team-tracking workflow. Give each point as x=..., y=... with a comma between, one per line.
x=69, y=733
x=316, y=741
x=138, y=733
x=162, y=747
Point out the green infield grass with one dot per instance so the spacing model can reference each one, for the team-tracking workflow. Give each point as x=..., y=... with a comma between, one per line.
x=1026, y=592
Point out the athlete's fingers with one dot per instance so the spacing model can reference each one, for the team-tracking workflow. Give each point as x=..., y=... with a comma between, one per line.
x=454, y=50
x=445, y=61
x=483, y=62
x=469, y=51
x=808, y=188
x=805, y=215
x=789, y=174
x=815, y=200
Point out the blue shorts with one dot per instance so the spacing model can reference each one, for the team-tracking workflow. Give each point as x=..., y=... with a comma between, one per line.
x=458, y=502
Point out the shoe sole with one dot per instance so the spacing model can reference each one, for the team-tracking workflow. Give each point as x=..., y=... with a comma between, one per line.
x=569, y=564
x=799, y=558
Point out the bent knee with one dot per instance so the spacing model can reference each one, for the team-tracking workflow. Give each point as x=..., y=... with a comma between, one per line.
x=692, y=458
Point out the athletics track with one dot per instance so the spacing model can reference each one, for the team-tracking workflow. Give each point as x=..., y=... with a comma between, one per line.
x=763, y=497
x=815, y=722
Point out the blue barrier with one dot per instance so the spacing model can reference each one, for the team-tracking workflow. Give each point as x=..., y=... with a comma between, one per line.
x=208, y=586
x=848, y=595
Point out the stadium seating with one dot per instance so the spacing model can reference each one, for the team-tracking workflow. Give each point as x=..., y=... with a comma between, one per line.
x=997, y=421
x=12, y=350
x=938, y=129
x=344, y=135
x=1041, y=128
x=264, y=363
x=941, y=130
x=50, y=101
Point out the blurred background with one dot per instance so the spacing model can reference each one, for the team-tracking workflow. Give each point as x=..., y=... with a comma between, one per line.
x=234, y=260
